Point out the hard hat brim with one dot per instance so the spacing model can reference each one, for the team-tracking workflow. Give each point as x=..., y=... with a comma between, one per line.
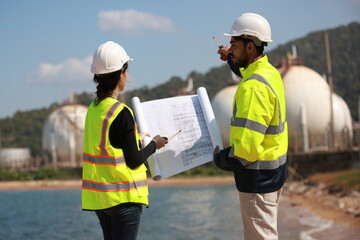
x=238, y=35
x=230, y=35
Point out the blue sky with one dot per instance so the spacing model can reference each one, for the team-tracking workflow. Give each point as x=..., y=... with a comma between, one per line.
x=47, y=46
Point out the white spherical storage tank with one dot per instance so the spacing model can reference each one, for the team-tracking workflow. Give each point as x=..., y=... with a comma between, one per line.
x=62, y=139
x=342, y=123
x=222, y=107
x=342, y=116
x=305, y=88
x=308, y=109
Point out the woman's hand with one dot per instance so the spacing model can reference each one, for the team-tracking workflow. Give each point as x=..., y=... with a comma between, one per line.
x=142, y=136
x=160, y=141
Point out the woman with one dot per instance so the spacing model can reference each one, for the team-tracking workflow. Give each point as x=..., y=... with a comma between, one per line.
x=114, y=175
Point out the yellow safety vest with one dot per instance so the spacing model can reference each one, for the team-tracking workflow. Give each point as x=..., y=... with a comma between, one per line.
x=107, y=180
x=258, y=131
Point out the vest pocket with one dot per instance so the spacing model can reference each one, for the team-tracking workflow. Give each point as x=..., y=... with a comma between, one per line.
x=140, y=182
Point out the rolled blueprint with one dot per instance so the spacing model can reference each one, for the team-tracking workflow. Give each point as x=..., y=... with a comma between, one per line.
x=209, y=117
x=142, y=126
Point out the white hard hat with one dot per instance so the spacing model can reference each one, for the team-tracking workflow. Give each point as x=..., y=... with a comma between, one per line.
x=251, y=25
x=109, y=57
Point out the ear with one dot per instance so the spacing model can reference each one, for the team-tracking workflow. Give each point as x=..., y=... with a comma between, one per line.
x=122, y=75
x=250, y=47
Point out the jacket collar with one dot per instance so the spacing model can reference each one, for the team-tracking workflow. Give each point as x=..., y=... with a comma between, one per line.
x=249, y=71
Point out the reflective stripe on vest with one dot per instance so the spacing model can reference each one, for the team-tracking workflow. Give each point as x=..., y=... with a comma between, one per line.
x=113, y=187
x=105, y=160
x=253, y=125
x=260, y=164
x=109, y=114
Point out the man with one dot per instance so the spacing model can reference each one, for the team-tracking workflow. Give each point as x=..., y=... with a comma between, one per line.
x=258, y=131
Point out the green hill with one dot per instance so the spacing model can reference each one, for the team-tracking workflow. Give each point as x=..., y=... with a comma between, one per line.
x=24, y=128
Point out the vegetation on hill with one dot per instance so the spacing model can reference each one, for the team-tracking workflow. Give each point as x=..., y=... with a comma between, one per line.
x=345, y=59
x=24, y=128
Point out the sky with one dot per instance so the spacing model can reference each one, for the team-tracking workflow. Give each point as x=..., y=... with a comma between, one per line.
x=47, y=46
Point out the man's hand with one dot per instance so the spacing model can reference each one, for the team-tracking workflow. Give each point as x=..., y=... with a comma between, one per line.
x=224, y=162
x=224, y=52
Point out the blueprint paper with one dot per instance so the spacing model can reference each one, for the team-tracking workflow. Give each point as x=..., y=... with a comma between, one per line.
x=193, y=146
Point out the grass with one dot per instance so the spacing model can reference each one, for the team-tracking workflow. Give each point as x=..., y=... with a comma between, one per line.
x=348, y=180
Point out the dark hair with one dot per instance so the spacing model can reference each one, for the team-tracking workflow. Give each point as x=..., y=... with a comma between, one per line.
x=259, y=49
x=106, y=83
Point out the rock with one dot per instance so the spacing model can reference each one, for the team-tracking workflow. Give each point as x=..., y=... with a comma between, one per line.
x=334, y=189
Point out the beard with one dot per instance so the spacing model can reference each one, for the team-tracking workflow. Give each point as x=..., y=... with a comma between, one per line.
x=240, y=62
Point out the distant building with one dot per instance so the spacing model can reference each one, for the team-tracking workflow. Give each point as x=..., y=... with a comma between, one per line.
x=15, y=157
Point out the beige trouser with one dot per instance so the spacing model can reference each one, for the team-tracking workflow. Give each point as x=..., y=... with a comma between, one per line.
x=259, y=215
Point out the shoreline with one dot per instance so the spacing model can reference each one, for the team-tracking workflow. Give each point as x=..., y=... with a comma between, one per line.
x=326, y=206
x=64, y=184
x=338, y=207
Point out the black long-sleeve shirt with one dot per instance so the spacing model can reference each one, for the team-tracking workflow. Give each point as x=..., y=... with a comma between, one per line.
x=122, y=135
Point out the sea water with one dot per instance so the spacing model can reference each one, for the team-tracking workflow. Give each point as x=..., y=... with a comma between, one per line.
x=175, y=213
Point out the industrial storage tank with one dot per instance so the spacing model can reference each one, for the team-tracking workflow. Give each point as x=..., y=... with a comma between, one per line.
x=62, y=139
x=15, y=157
x=343, y=129
x=308, y=107
x=222, y=107
x=308, y=112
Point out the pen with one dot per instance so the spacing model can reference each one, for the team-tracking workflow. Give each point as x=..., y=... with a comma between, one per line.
x=222, y=56
x=220, y=46
x=172, y=136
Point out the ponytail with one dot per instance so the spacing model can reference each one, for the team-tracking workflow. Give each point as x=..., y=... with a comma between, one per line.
x=106, y=83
